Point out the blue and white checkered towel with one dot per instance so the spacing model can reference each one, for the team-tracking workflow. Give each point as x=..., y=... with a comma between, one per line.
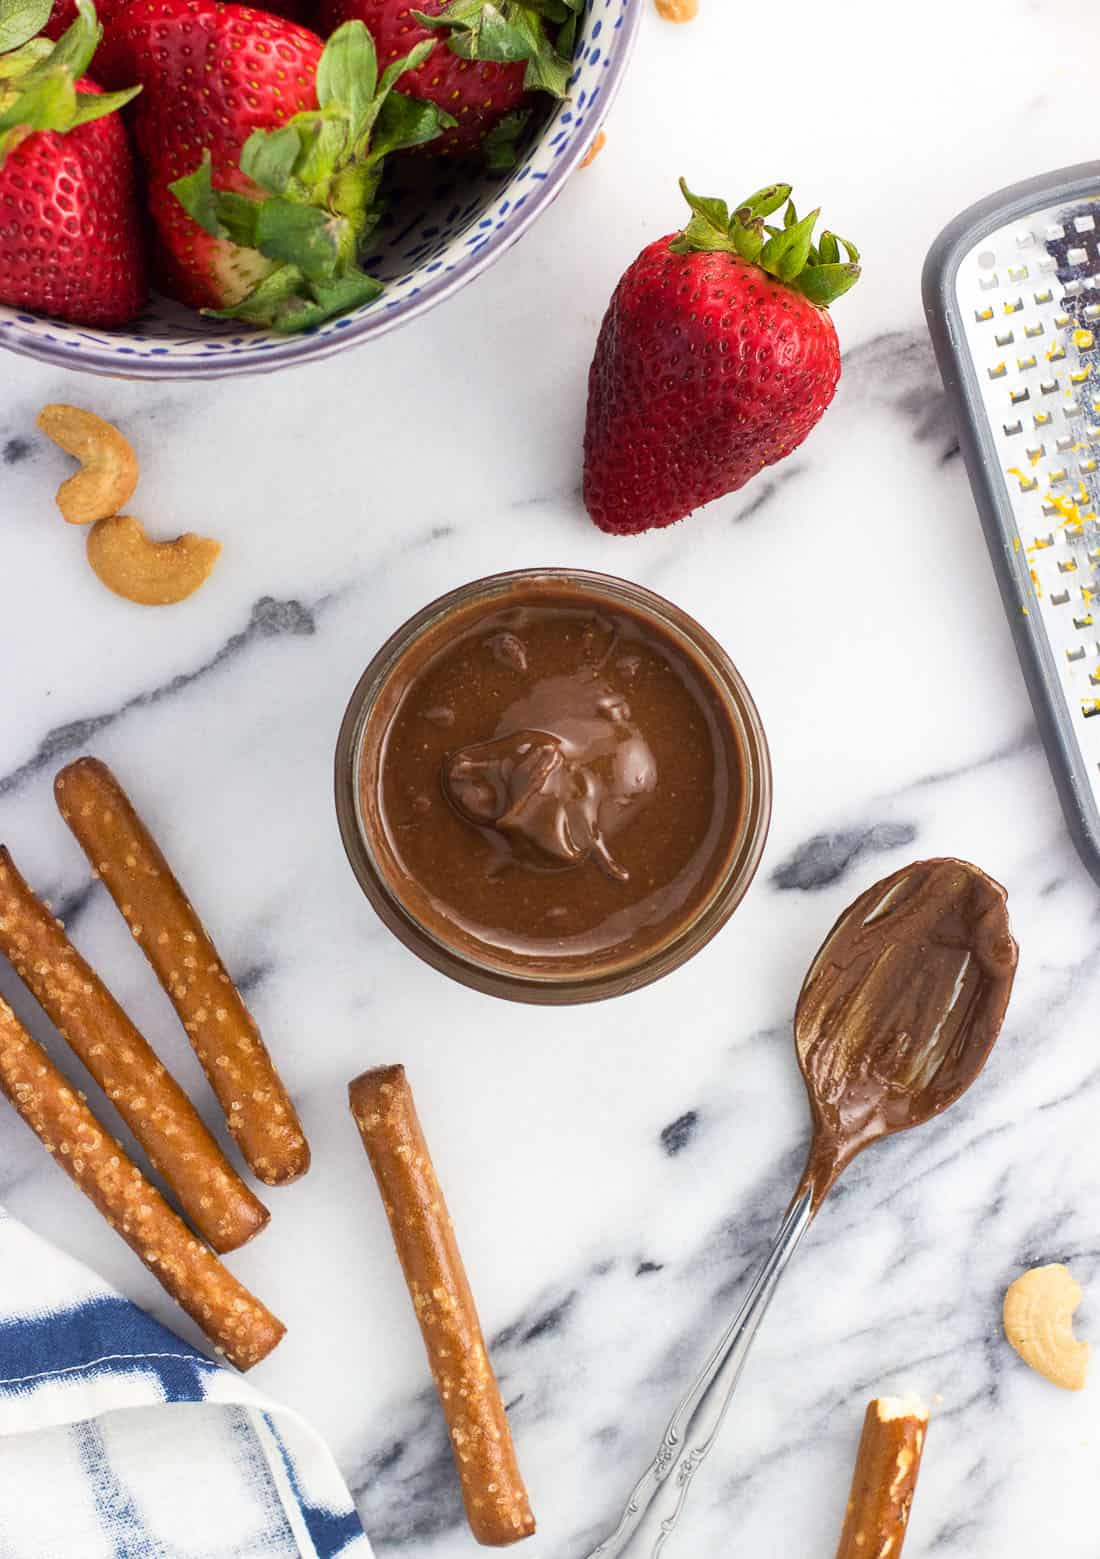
x=119, y=1441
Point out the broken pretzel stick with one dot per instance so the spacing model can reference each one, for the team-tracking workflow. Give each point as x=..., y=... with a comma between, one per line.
x=222, y=1031
x=885, y=1479
x=235, y=1321
x=212, y=1195
x=492, y=1489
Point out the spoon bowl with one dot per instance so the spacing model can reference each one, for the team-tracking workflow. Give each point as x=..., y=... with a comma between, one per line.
x=901, y=1008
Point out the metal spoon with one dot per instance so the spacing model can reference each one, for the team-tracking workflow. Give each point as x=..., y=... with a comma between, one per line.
x=897, y=1015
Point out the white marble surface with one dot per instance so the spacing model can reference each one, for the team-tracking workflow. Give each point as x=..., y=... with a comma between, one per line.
x=853, y=588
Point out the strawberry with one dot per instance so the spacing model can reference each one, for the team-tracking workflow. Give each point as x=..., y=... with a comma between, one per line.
x=63, y=12
x=262, y=150
x=490, y=56
x=71, y=240
x=716, y=358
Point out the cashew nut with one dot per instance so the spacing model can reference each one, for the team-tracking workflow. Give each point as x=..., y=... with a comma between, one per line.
x=108, y=468
x=151, y=573
x=678, y=10
x=1038, y=1321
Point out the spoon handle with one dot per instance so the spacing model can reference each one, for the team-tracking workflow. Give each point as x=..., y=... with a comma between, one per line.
x=658, y=1498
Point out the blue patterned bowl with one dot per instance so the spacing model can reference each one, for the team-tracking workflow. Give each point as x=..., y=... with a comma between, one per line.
x=432, y=243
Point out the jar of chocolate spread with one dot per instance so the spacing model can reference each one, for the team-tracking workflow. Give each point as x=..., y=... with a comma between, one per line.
x=553, y=785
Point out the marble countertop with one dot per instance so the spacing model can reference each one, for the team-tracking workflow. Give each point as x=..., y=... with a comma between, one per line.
x=615, y=1172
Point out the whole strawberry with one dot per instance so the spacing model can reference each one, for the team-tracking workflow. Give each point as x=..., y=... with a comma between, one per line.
x=71, y=241
x=716, y=358
x=489, y=59
x=262, y=150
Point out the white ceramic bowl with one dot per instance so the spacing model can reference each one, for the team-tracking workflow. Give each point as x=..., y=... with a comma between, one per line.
x=427, y=248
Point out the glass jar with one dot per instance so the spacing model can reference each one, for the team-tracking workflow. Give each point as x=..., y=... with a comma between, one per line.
x=412, y=916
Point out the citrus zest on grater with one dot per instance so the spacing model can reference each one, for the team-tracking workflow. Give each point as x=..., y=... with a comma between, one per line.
x=1012, y=295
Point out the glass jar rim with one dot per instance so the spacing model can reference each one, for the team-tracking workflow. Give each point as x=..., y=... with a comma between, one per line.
x=539, y=986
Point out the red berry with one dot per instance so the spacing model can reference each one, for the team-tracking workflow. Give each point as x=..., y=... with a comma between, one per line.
x=478, y=93
x=707, y=369
x=210, y=75
x=71, y=241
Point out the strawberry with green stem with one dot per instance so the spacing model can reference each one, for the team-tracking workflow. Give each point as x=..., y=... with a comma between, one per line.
x=71, y=241
x=490, y=61
x=263, y=150
x=716, y=358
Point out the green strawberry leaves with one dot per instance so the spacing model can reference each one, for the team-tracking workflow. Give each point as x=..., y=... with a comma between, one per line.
x=38, y=81
x=788, y=253
x=500, y=148
x=317, y=181
x=22, y=20
x=541, y=32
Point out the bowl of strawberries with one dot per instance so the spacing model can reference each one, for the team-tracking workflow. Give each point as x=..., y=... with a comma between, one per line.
x=197, y=188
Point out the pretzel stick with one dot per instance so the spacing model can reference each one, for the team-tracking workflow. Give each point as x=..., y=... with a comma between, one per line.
x=493, y=1491
x=885, y=1479
x=214, y=1198
x=172, y=937
x=235, y=1321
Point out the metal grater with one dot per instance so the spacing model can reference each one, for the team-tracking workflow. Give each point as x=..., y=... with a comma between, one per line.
x=1012, y=294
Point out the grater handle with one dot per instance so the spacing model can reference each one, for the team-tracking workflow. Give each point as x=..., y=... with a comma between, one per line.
x=658, y=1499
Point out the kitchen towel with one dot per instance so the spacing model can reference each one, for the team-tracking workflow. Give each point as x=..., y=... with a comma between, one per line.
x=120, y=1441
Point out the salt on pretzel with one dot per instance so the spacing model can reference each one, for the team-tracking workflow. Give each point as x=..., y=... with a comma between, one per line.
x=492, y=1488
x=238, y=1325
x=214, y=1198
x=222, y=1031
x=885, y=1479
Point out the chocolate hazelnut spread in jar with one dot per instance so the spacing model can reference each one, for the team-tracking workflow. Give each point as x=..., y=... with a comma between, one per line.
x=553, y=785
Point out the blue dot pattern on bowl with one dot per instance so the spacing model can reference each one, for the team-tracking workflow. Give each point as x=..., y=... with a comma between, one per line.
x=428, y=246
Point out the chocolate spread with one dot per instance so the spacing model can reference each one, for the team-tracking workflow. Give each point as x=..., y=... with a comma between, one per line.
x=901, y=1007
x=556, y=778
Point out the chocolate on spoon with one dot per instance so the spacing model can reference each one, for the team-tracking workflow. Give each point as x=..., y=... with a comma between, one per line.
x=896, y=1018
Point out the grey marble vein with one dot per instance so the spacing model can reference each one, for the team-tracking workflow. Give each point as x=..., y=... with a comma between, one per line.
x=269, y=619
x=827, y=858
